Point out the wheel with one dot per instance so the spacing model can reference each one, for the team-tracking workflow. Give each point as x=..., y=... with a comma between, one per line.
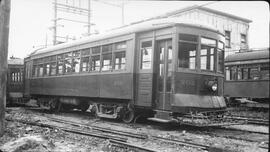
x=128, y=115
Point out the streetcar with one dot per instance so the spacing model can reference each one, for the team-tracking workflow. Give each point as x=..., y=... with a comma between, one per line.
x=15, y=81
x=165, y=69
x=247, y=78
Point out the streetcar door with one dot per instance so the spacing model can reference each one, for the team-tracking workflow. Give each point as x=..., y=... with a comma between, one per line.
x=164, y=74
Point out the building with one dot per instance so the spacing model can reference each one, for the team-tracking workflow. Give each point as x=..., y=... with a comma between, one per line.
x=235, y=28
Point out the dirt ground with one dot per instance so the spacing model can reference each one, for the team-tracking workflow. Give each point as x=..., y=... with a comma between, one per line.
x=22, y=137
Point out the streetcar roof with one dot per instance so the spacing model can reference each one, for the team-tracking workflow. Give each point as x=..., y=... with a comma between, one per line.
x=251, y=55
x=144, y=26
x=15, y=61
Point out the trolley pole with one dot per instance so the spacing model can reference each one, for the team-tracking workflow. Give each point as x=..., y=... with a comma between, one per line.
x=4, y=31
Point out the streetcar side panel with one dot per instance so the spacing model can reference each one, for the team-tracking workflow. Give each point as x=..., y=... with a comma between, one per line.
x=247, y=89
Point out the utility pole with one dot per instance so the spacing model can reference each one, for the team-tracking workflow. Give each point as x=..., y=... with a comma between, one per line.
x=4, y=31
x=70, y=7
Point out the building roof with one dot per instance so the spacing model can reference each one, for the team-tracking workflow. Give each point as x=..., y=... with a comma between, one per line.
x=186, y=9
x=251, y=55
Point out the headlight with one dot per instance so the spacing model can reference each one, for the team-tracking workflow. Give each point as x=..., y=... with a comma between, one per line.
x=214, y=87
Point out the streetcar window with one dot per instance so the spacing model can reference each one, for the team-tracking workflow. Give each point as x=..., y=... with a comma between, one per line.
x=245, y=73
x=254, y=73
x=220, y=54
x=47, y=69
x=120, y=60
x=53, y=68
x=107, y=48
x=68, y=62
x=146, y=55
x=233, y=73
x=35, y=71
x=95, y=63
x=228, y=73
x=40, y=73
x=76, y=65
x=85, y=52
x=76, y=53
x=187, y=55
x=207, y=58
x=264, y=73
x=85, y=64
x=120, y=45
x=239, y=74
x=220, y=58
x=106, y=62
x=96, y=50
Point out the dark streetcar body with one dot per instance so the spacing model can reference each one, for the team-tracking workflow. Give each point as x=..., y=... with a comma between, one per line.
x=247, y=78
x=15, y=81
x=161, y=69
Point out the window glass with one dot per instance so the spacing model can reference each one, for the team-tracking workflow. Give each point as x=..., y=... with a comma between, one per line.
x=107, y=62
x=245, y=73
x=76, y=54
x=60, y=67
x=243, y=39
x=40, y=71
x=76, y=65
x=120, y=60
x=86, y=52
x=35, y=71
x=96, y=50
x=107, y=48
x=254, y=73
x=264, y=73
x=239, y=74
x=220, y=45
x=68, y=62
x=233, y=73
x=85, y=64
x=95, y=63
x=207, y=58
x=53, y=58
x=187, y=55
x=187, y=37
x=146, y=55
x=228, y=74
x=121, y=45
x=47, y=69
x=53, y=68
x=220, y=58
x=209, y=42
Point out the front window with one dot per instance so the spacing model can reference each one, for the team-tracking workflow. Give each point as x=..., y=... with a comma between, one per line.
x=207, y=54
x=146, y=55
x=85, y=61
x=187, y=51
x=243, y=39
x=187, y=55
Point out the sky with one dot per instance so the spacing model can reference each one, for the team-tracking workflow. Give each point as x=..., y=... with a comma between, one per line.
x=31, y=20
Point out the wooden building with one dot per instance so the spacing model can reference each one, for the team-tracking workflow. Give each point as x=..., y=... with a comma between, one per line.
x=235, y=28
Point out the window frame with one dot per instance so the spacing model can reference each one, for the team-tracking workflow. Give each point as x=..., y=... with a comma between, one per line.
x=141, y=55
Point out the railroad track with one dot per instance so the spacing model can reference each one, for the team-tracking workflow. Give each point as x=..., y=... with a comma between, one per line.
x=122, y=134
x=250, y=120
x=114, y=140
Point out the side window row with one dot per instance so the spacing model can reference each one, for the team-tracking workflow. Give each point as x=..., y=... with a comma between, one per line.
x=16, y=77
x=102, y=58
x=247, y=73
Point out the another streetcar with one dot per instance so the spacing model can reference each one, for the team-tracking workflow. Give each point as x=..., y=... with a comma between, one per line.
x=15, y=81
x=247, y=78
x=164, y=69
